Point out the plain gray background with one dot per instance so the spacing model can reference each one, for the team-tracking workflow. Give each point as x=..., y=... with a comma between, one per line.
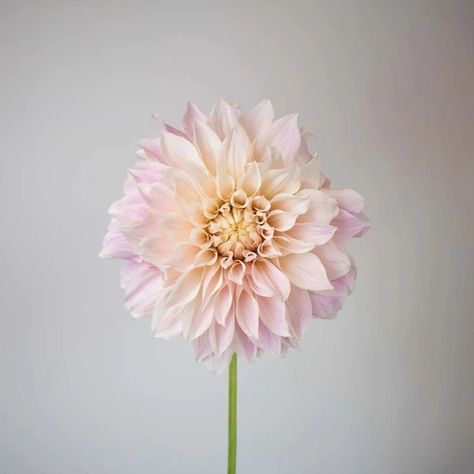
x=388, y=88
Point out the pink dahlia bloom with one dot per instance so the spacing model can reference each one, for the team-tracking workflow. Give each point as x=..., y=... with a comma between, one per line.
x=231, y=234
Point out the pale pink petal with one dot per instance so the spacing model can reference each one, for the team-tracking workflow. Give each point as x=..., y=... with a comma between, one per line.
x=347, y=199
x=287, y=244
x=223, y=119
x=115, y=245
x=186, y=288
x=299, y=311
x=259, y=119
x=251, y=181
x=202, y=347
x=281, y=220
x=325, y=307
x=305, y=271
x=335, y=260
x=247, y=314
x=308, y=233
x=153, y=147
x=267, y=277
x=273, y=315
x=322, y=209
x=142, y=283
x=166, y=324
x=209, y=144
x=303, y=156
x=348, y=225
x=237, y=153
x=211, y=284
x=236, y=272
x=158, y=197
x=193, y=113
x=222, y=303
x=312, y=176
x=297, y=203
x=201, y=321
x=181, y=153
x=284, y=180
x=244, y=346
x=366, y=227
x=284, y=135
x=268, y=341
x=221, y=336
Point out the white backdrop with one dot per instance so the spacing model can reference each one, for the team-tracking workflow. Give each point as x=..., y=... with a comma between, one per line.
x=387, y=86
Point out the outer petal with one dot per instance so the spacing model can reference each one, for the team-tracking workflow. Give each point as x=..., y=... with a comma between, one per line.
x=273, y=315
x=181, y=153
x=269, y=279
x=285, y=136
x=221, y=337
x=185, y=289
x=209, y=145
x=153, y=148
x=348, y=199
x=299, y=311
x=325, y=307
x=237, y=153
x=268, y=341
x=193, y=113
x=247, y=314
x=115, y=245
x=312, y=233
x=166, y=324
x=305, y=271
x=259, y=119
x=336, y=262
x=322, y=209
x=142, y=283
x=223, y=118
x=348, y=225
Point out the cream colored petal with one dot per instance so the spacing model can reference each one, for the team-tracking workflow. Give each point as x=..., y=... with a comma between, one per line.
x=252, y=180
x=258, y=120
x=305, y=271
x=209, y=145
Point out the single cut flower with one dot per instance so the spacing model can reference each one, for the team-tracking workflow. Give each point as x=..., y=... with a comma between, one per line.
x=232, y=237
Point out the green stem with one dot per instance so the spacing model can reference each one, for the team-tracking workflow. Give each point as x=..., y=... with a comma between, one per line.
x=232, y=450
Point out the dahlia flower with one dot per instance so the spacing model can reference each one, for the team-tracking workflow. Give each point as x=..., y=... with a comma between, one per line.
x=231, y=235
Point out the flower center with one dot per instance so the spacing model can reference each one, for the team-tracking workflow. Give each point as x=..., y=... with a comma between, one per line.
x=237, y=231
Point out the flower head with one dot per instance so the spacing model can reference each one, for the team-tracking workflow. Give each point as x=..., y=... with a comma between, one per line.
x=231, y=234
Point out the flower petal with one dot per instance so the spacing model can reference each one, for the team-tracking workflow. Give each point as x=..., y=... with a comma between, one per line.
x=142, y=283
x=267, y=277
x=348, y=225
x=305, y=271
x=247, y=314
x=322, y=209
x=222, y=303
x=186, y=288
x=181, y=153
x=115, y=245
x=251, y=181
x=192, y=114
x=223, y=118
x=347, y=199
x=209, y=145
x=258, y=120
x=335, y=261
x=316, y=234
x=285, y=136
x=273, y=315
x=299, y=311
x=237, y=153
